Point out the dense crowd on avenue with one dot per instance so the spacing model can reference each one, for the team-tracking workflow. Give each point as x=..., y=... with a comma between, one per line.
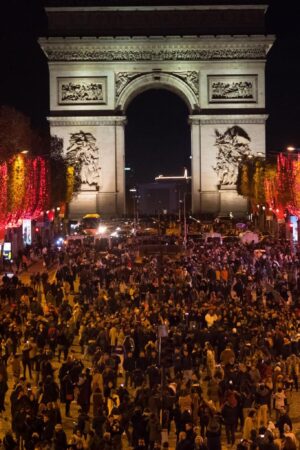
x=229, y=363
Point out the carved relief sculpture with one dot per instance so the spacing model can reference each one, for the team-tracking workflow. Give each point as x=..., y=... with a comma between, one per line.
x=232, y=146
x=81, y=91
x=83, y=155
x=232, y=89
x=191, y=78
x=123, y=79
x=133, y=54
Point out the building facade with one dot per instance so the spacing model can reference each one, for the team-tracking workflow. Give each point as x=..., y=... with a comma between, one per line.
x=103, y=55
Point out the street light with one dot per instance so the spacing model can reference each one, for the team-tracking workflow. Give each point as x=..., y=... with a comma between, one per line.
x=291, y=150
x=135, y=198
x=184, y=220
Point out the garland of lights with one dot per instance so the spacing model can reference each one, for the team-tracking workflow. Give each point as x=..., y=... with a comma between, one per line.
x=70, y=183
x=24, y=189
x=3, y=192
x=31, y=194
x=296, y=208
x=17, y=187
x=42, y=187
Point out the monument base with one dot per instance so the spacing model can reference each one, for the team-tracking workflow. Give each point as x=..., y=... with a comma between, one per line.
x=83, y=203
x=232, y=202
x=222, y=202
x=107, y=204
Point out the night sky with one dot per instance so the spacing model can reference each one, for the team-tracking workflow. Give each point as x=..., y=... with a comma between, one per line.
x=24, y=84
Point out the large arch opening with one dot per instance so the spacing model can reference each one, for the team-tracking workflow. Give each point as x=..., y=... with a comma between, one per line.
x=157, y=142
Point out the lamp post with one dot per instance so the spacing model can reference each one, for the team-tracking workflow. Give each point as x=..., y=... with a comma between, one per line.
x=184, y=221
x=135, y=198
x=182, y=204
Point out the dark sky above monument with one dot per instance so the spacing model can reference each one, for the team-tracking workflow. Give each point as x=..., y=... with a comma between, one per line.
x=24, y=73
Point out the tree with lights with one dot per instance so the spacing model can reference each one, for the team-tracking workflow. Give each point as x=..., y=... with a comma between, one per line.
x=26, y=169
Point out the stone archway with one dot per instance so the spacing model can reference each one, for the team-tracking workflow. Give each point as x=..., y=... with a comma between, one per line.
x=186, y=86
x=157, y=141
x=220, y=78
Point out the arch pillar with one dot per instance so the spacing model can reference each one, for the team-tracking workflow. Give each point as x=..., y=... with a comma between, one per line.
x=195, y=164
x=107, y=195
x=111, y=196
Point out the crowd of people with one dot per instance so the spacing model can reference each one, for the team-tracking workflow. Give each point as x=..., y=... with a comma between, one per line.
x=204, y=344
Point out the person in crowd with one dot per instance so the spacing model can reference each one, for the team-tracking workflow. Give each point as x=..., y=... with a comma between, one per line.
x=249, y=425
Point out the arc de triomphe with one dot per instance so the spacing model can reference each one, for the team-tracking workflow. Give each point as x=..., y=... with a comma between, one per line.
x=101, y=57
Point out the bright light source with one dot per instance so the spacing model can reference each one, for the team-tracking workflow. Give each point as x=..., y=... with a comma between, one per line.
x=58, y=208
x=114, y=234
x=102, y=229
x=24, y=152
x=132, y=190
x=118, y=229
x=127, y=169
x=290, y=148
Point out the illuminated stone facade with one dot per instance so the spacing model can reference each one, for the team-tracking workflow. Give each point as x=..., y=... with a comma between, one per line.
x=221, y=79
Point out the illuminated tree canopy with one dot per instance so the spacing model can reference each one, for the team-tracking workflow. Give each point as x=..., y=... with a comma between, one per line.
x=275, y=185
x=33, y=173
